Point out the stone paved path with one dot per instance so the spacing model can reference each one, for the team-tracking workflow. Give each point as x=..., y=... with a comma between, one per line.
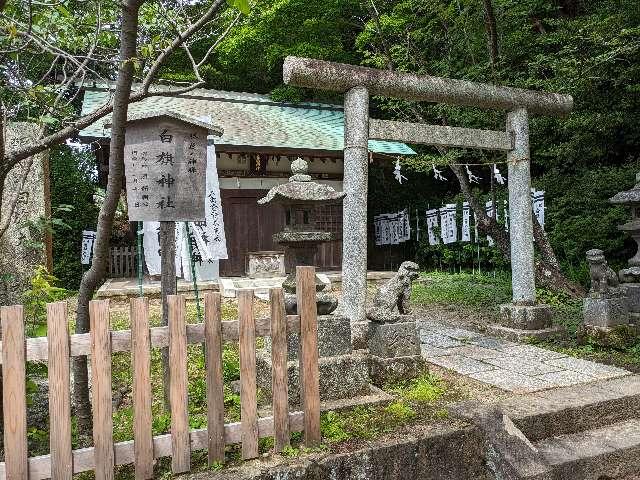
x=514, y=367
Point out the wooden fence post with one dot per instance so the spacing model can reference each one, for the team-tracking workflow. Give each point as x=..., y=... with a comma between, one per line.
x=215, y=391
x=141, y=364
x=14, y=395
x=101, y=389
x=59, y=392
x=279, y=371
x=309, y=376
x=248, y=387
x=180, y=444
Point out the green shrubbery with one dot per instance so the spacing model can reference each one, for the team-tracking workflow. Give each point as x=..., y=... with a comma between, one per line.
x=73, y=175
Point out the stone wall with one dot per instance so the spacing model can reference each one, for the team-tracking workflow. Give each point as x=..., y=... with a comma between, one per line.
x=17, y=259
x=442, y=453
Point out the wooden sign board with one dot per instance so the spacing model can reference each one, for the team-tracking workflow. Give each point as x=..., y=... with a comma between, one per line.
x=165, y=168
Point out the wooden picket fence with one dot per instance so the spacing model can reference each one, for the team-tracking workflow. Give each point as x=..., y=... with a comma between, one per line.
x=123, y=262
x=58, y=347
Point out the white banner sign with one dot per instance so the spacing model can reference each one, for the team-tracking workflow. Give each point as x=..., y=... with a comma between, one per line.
x=392, y=228
x=88, y=240
x=448, y=226
x=491, y=212
x=466, y=224
x=432, y=224
x=537, y=201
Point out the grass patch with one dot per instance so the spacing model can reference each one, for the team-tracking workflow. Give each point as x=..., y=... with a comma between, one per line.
x=417, y=399
x=478, y=291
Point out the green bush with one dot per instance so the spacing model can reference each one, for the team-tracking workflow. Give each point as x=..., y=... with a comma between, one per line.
x=72, y=183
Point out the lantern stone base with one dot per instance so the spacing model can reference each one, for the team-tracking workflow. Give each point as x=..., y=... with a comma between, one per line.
x=341, y=376
x=619, y=337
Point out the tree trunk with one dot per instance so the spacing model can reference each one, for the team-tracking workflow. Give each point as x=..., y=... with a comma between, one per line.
x=92, y=278
x=492, y=32
x=548, y=271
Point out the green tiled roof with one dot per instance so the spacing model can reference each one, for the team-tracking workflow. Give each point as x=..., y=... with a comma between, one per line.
x=249, y=120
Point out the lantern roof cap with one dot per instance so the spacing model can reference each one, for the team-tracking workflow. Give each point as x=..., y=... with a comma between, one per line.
x=628, y=197
x=301, y=188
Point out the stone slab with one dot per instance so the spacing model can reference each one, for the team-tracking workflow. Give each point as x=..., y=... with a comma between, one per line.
x=627, y=385
x=605, y=312
x=394, y=339
x=492, y=343
x=593, y=369
x=461, y=364
x=428, y=351
x=525, y=366
x=520, y=335
x=565, y=378
x=435, y=339
x=476, y=352
x=532, y=352
x=525, y=317
x=511, y=381
x=458, y=333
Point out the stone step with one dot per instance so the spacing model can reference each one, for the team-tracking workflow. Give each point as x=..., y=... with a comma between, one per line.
x=609, y=451
x=575, y=409
x=569, y=410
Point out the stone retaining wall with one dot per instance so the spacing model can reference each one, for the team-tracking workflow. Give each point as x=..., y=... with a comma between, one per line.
x=440, y=454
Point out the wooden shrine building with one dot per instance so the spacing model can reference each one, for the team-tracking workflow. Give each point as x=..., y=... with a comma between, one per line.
x=261, y=138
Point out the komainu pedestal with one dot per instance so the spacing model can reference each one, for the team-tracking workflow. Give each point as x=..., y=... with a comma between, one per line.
x=394, y=350
x=393, y=341
x=606, y=308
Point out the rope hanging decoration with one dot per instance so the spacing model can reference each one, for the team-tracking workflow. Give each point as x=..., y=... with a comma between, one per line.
x=193, y=271
x=397, y=173
x=472, y=178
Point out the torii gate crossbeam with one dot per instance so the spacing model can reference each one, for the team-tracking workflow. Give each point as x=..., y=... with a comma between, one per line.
x=358, y=83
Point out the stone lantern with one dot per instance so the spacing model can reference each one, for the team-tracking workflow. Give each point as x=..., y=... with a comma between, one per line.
x=300, y=236
x=630, y=277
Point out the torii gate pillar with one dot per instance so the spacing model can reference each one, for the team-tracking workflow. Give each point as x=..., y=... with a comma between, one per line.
x=354, y=219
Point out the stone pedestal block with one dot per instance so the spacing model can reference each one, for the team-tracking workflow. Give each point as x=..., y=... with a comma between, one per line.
x=389, y=340
x=385, y=371
x=525, y=317
x=341, y=376
x=605, y=312
x=334, y=338
x=632, y=292
x=619, y=337
x=360, y=334
x=523, y=335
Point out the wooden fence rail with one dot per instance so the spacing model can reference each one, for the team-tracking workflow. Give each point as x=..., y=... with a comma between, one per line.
x=58, y=347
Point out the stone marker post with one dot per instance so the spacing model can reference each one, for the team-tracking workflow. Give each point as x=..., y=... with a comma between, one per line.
x=354, y=227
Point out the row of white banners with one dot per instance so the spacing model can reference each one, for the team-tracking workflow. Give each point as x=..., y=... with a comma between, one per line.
x=394, y=228
x=205, y=240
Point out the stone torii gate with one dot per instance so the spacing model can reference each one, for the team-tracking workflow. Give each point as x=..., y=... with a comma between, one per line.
x=522, y=317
